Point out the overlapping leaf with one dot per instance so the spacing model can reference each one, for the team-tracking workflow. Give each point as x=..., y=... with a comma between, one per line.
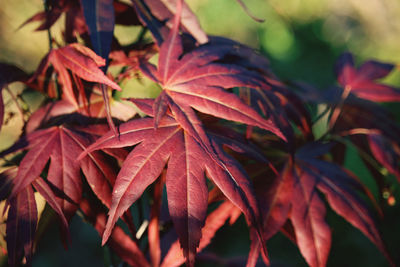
x=21, y=226
x=294, y=194
x=75, y=23
x=100, y=19
x=62, y=146
x=385, y=152
x=162, y=11
x=49, y=17
x=275, y=196
x=81, y=61
x=120, y=242
x=283, y=106
x=196, y=80
x=188, y=162
x=6, y=180
x=340, y=190
x=179, y=143
x=214, y=222
x=94, y=108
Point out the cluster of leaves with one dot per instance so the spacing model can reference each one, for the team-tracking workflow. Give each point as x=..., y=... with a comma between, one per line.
x=223, y=132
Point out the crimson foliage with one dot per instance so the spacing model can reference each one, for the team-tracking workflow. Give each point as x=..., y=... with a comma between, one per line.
x=223, y=130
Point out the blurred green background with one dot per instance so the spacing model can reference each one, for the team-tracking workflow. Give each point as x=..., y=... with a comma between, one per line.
x=302, y=39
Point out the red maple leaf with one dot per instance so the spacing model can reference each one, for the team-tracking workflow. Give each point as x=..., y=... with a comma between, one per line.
x=62, y=146
x=197, y=80
x=81, y=61
x=362, y=81
x=187, y=162
x=294, y=194
x=21, y=226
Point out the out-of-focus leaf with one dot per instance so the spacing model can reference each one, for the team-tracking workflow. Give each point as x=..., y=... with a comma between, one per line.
x=313, y=150
x=125, y=14
x=358, y=113
x=385, y=152
x=341, y=191
x=275, y=195
x=8, y=74
x=119, y=242
x=48, y=17
x=361, y=81
x=6, y=182
x=162, y=11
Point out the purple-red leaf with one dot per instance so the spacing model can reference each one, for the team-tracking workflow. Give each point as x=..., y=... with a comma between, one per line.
x=44, y=189
x=81, y=61
x=187, y=202
x=6, y=182
x=164, y=11
x=214, y=222
x=313, y=234
x=99, y=17
x=361, y=81
x=35, y=160
x=276, y=204
x=142, y=166
x=119, y=242
x=63, y=146
x=197, y=81
x=341, y=190
x=94, y=109
x=188, y=162
x=21, y=226
x=385, y=152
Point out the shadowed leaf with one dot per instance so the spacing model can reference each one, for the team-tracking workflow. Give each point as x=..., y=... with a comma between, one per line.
x=162, y=11
x=21, y=226
x=119, y=242
x=214, y=222
x=99, y=17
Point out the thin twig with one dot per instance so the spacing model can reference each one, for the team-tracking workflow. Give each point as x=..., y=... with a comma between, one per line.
x=13, y=97
x=108, y=110
x=47, y=10
x=338, y=109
